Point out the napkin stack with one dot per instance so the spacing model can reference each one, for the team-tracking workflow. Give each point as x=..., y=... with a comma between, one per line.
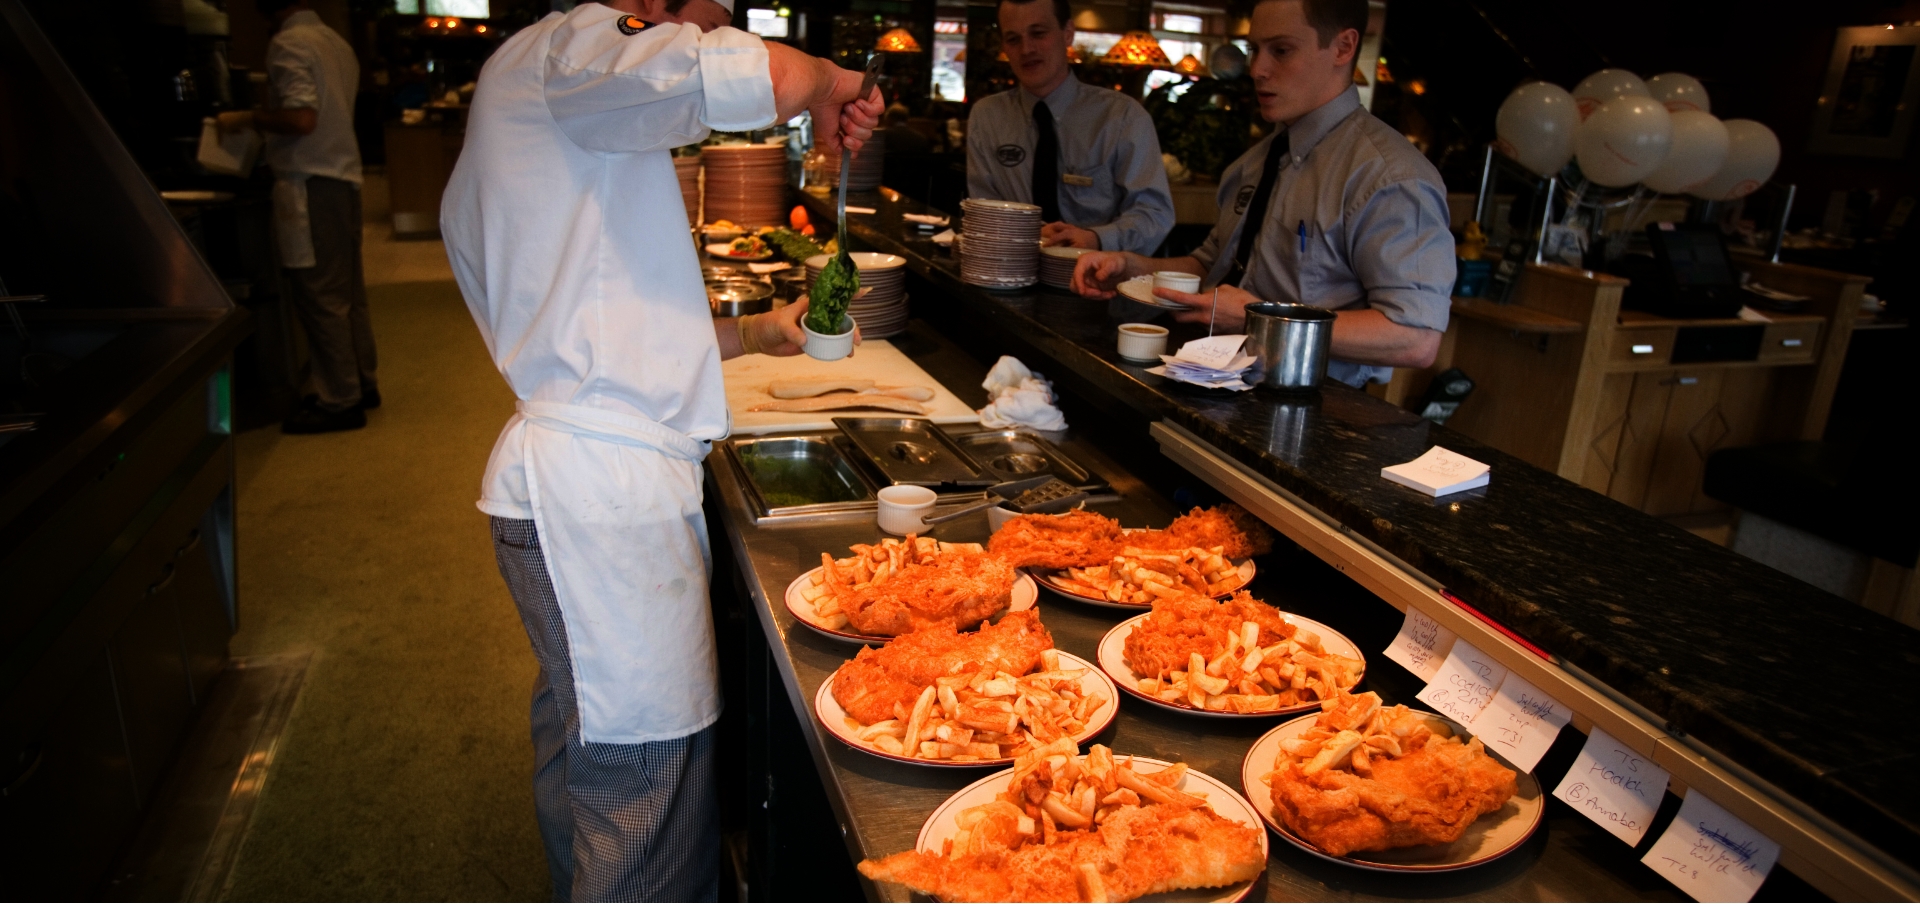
x=1214, y=362
x=1020, y=398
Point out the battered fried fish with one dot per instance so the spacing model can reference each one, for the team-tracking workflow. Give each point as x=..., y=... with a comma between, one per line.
x=1067, y=540
x=957, y=589
x=1137, y=851
x=880, y=684
x=1179, y=627
x=1229, y=526
x=1384, y=779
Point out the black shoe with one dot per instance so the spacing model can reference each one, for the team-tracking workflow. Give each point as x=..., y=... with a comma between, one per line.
x=369, y=399
x=314, y=419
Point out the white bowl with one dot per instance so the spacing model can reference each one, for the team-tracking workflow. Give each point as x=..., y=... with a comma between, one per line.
x=823, y=347
x=903, y=509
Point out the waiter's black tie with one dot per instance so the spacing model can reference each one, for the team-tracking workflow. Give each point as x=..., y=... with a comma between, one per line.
x=1046, y=165
x=1257, y=210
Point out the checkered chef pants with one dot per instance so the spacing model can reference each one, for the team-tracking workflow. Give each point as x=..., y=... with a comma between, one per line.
x=621, y=822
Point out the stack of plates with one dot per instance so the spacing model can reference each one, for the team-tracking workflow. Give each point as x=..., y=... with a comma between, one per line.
x=687, y=168
x=1003, y=243
x=746, y=183
x=866, y=171
x=1056, y=265
x=881, y=312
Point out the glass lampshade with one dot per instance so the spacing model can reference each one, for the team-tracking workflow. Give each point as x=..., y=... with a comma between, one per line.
x=1190, y=65
x=1137, y=48
x=898, y=40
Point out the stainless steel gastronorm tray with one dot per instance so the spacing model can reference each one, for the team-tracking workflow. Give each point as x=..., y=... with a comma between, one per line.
x=791, y=477
x=1017, y=454
x=913, y=451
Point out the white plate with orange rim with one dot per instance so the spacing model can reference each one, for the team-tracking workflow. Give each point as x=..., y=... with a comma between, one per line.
x=1491, y=837
x=944, y=824
x=1053, y=580
x=1093, y=683
x=1025, y=594
x=1140, y=289
x=1113, y=661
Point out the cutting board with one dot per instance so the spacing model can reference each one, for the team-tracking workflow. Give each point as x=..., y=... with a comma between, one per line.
x=876, y=359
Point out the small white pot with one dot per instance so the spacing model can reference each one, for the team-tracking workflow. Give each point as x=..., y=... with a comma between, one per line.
x=824, y=347
x=903, y=509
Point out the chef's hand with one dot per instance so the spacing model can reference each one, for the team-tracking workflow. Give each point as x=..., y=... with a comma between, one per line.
x=778, y=333
x=1069, y=235
x=859, y=119
x=1095, y=275
x=841, y=117
x=235, y=121
x=1233, y=306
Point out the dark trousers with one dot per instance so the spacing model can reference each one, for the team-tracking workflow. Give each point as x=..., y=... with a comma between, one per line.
x=621, y=822
x=331, y=298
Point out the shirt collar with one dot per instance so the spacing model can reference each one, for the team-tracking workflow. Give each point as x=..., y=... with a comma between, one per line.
x=302, y=17
x=1057, y=102
x=1309, y=129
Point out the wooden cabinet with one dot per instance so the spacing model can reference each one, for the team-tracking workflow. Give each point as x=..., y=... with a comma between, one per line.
x=1621, y=401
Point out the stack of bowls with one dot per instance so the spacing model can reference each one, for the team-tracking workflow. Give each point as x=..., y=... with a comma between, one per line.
x=1003, y=244
x=1057, y=263
x=865, y=173
x=687, y=168
x=746, y=183
x=882, y=312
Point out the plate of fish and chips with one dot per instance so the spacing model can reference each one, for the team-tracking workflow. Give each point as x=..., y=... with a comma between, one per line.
x=1089, y=557
x=1060, y=826
x=1019, y=695
x=892, y=587
x=1325, y=767
x=1232, y=659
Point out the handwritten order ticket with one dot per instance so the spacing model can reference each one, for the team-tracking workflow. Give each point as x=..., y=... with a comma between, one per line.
x=1464, y=685
x=1421, y=645
x=1521, y=722
x=1615, y=786
x=1711, y=854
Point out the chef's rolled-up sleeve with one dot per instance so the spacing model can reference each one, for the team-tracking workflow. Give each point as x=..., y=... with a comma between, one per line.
x=1403, y=254
x=662, y=87
x=290, y=68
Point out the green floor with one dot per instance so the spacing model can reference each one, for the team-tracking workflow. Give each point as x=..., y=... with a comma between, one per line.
x=404, y=772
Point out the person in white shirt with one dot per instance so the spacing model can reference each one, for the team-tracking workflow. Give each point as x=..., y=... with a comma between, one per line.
x=1088, y=156
x=569, y=239
x=316, y=211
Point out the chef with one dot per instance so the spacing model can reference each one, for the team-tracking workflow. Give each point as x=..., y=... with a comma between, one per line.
x=568, y=237
x=1088, y=156
x=1334, y=209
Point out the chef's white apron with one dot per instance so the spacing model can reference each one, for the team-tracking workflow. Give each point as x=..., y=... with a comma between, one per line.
x=292, y=221
x=616, y=499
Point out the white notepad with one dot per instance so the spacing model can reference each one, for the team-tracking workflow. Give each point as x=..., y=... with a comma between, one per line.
x=1439, y=472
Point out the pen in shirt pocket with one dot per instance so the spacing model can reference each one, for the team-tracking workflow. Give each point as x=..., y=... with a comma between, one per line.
x=1303, y=236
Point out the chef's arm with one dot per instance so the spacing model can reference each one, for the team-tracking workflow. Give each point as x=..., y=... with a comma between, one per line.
x=290, y=121
x=1368, y=337
x=802, y=82
x=775, y=333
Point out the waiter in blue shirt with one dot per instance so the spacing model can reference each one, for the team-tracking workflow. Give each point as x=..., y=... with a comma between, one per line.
x=1087, y=155
x=1335, y=209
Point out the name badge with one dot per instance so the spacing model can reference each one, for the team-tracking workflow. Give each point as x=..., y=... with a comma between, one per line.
x=1082, y=181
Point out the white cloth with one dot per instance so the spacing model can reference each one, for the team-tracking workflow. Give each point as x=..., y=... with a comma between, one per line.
x=312, y=68
x=1019, y=398
x=568, y=236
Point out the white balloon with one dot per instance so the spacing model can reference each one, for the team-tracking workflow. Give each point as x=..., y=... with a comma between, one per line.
x=1624, y=141
x=1698, y=150
x=1679, y=91
x=1603, y=86
x=1535, y=125
x=1752, y=155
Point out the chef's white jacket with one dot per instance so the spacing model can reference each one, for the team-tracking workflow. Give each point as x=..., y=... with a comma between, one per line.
x=567, y=234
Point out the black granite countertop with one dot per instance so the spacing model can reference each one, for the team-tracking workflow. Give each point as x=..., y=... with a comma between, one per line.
x=1780, y=677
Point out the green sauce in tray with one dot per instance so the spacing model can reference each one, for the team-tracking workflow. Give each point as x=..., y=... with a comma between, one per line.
x=785, y=481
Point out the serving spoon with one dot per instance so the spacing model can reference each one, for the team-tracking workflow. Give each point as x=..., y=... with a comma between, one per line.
x=842, y=263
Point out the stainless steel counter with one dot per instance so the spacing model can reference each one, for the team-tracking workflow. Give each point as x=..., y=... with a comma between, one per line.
x=880, y=805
